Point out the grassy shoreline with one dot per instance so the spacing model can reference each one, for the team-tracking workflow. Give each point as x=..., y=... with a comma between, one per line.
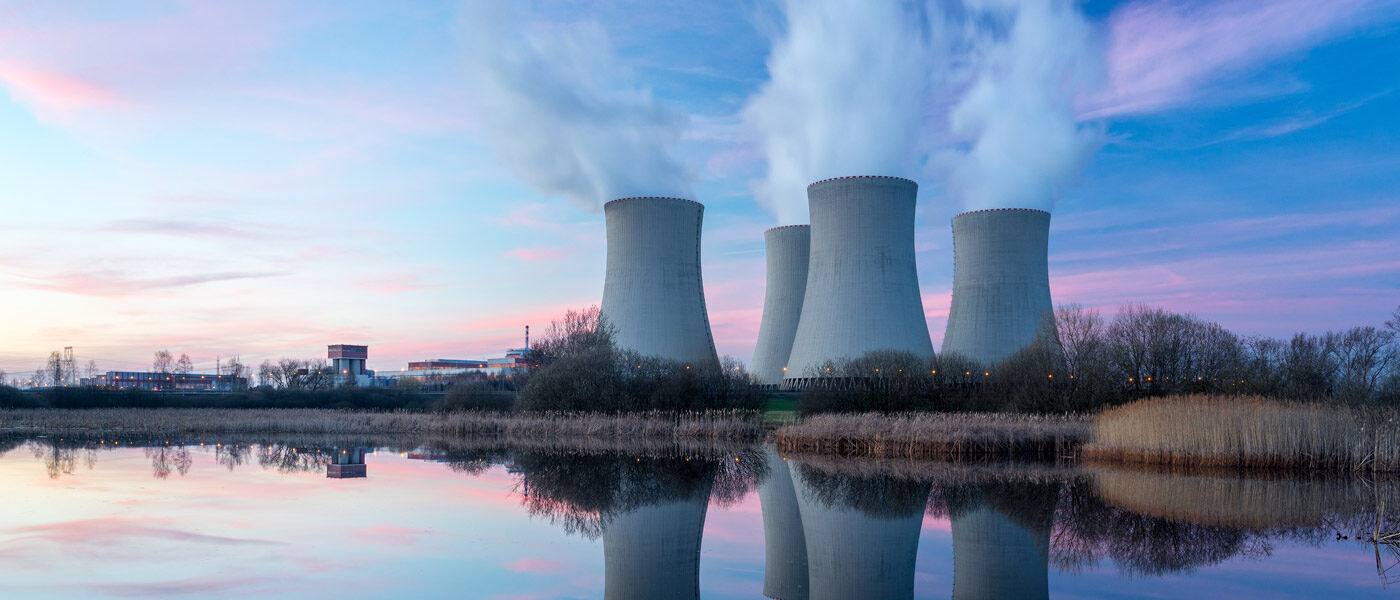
x=1194, y=433
x=556, y=428
x=935, y=435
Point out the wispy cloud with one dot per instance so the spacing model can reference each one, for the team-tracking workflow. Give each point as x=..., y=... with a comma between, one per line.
x=186, y=228
x=1163, y=53
x=112, y=283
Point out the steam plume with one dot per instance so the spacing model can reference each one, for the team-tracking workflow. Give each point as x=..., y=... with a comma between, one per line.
x=845, y=89
x=559, y=111
x=1018, y=114
x=980, y=91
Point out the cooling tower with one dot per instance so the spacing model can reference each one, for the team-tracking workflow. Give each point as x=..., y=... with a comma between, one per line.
x=1001, y=282
x=862, y=286
x=784, y=545
x=654, y=551
x=652, y=293
x=787, y=250
x=854, y=553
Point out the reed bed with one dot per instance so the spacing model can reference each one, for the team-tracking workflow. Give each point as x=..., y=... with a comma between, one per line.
x=1248, y=433
x=682, y=427
x=935, y=435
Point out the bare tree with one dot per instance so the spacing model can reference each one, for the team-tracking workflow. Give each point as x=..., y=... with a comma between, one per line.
x=294, y=374
x=1363, y=357
x=57, y=373
x=161, y=362
x=91, y=369
x=40, y=378
x=184, y=366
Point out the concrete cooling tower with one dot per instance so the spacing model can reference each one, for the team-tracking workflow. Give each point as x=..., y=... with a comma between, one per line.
x=784, y=544
x=652, y=292
x=787, y=251
x=862, y=286
x=654, y=551
x=1001, y=282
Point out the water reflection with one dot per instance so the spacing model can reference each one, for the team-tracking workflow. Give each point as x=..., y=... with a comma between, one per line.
x=832, y=528
x=861, y=532
x=649, y=511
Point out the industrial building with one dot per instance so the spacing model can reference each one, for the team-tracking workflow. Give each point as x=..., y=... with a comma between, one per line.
x=862, y=291
x=348, y=364
x=787, y=253
x=1001, y=282
x=653, y=295
x=168, y=382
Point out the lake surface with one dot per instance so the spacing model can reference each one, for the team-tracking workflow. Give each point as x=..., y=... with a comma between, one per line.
x=345, y=518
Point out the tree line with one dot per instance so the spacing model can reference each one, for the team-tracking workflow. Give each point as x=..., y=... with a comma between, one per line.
x=1081, y=361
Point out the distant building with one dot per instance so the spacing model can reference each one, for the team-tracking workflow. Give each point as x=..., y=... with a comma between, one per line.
x=169, y=382
x=348, y=364
x=445, y=363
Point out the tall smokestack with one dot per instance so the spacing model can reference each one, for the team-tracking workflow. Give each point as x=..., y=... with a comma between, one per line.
x=652, y=294
x=787, y=250
x=1001, y=282
x=862, y=284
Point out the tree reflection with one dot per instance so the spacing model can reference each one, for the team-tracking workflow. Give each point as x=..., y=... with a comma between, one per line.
x=165, y=459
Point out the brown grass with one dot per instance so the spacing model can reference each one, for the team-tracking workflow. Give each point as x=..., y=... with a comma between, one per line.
x=663, y=427
x=1247, y=432
x=935, y=435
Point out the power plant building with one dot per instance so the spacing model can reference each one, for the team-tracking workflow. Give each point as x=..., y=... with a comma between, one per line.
x=862, y=291
x=787, y=250
x=653, y=295
x=1001, y=282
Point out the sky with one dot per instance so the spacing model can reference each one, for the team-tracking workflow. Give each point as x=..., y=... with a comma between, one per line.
x=261, y=179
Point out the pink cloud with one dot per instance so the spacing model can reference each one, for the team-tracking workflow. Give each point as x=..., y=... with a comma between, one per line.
x=395, y=284
x=541, y=254
x=535, y=565
x=55, y=90
x=1162, y=53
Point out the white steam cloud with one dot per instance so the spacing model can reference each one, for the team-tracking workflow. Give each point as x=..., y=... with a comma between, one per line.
x=1018, y=115
x=844, y=97
x=979, y=92
x=559, y=110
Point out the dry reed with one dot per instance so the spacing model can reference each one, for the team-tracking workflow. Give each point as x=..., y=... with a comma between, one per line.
x=685, y=427
x=1247, y=432
x=935, y=435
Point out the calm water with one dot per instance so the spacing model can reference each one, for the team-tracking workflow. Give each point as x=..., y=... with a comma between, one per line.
x=355, y=519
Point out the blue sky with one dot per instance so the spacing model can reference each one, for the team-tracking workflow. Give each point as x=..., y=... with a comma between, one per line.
x=263, y=179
